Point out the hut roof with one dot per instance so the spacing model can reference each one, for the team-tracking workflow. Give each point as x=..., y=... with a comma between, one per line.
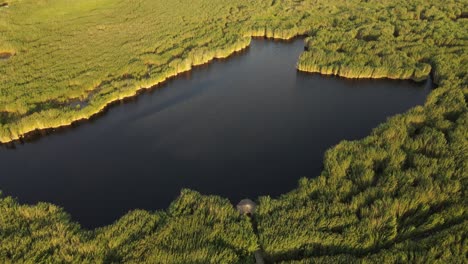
x=246, y=206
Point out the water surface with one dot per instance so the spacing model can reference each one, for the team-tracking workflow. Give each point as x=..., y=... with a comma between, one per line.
x=247, y=126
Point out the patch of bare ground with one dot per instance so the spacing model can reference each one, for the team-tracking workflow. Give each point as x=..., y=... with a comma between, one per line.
x=5, y=55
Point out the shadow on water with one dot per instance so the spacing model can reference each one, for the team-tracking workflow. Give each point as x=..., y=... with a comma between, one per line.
x=247, y=126
x=36, y=135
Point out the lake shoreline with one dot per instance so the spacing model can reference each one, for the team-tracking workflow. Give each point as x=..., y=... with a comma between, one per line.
x=37, y=132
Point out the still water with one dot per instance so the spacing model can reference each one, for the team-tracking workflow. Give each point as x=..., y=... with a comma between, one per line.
x=247, y=126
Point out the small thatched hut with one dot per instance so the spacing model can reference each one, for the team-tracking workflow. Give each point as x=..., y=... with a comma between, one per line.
x=246, y=206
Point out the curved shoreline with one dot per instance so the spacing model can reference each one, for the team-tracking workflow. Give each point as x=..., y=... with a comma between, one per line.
x=338, y=71
x=41, y=130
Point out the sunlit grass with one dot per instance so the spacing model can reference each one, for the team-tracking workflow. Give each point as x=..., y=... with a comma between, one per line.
x=397, y=195
x=100, y=51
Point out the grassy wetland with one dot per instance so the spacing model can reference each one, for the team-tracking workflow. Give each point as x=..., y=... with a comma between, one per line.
x=398, y=195
x=114, y=48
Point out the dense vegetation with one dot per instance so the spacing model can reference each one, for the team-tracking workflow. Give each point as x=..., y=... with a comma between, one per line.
x=398, y=195
x=195, y=229
x=61, y=62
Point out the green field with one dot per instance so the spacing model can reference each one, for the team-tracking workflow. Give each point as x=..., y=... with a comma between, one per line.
x=398, y=195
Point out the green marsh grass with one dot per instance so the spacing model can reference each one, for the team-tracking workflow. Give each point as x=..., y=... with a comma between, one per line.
x=398, y=195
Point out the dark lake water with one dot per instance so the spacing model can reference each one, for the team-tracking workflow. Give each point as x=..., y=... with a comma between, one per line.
x=247, y=126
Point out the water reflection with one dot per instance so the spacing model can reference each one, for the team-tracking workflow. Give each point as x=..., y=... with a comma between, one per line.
x=247, y=126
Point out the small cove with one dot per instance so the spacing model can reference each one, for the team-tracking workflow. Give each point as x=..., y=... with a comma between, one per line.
x=247, y=126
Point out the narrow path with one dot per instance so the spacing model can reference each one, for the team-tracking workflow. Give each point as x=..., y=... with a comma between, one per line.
x=259, y=253
x=247, y=207
x=259, y=257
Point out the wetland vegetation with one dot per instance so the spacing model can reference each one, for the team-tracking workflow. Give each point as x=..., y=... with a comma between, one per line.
x=219, y=119
x=398, y=195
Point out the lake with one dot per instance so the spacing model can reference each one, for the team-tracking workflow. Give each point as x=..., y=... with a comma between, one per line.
x=247, y=126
